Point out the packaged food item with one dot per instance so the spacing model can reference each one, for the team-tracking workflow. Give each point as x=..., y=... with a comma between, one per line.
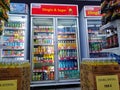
x=3, y=14
x=1, y=26
x=115, y=2
x=116, y=13
x=108, y=16
x=104, y=6
x=5, y=4
x=103, y=19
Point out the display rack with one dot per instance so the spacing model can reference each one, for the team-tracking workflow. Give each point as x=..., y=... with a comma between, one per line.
x=110, y=25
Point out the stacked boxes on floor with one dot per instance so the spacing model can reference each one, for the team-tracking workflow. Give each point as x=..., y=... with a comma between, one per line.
x=20, y=73
x=89, y=71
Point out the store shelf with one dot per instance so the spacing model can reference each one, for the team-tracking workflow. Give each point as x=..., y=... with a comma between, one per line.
x=38, y=37
x=96, y=41
x=68, y=58
x=42, y=27
x=43, y=44
x=12, y=28
x=112, y=50
x=110, y=25
x=71, y=68
x=13, y=34
x=64, y=48
x=66, y=38
x=43, y=31
x=13, y=48
x=13, y=56
x=66, y=33
x=15, y=40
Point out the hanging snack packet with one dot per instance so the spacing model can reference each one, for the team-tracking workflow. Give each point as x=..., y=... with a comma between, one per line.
x=3, y=14
x=1, y=26
x=116, y=14
x=116, y=3
x=5, y=4
x=104, y=6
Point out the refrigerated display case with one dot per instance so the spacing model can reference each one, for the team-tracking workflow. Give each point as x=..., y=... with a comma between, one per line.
x=15, y=33
x=92, y=38
x=55, y=56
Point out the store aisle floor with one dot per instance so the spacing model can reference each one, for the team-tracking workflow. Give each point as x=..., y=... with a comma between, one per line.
x=58, y=89
x=69, y=87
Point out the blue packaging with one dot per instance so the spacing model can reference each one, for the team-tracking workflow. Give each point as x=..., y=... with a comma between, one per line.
x=16, y=8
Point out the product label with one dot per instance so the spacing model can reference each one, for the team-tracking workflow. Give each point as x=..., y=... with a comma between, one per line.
x=8, y=84
x=108, y=82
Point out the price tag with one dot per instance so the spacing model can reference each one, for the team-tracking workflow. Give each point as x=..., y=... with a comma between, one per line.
x=8, y=84
x=108, y=82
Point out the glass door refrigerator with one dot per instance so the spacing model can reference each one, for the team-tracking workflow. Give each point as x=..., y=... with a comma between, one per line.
x=92, y=39
x=15, y=33
x=54, y=44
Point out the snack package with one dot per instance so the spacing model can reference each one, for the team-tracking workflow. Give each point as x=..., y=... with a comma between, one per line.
x=5, y=4
x=108, y=16
x=103, y=19
x=116, y=14
x=104, y=6
x=1, y=26
x=3, y=14
x=116, y=3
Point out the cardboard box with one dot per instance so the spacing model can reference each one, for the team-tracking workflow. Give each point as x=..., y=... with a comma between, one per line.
x=22, y=75
x=88, y=74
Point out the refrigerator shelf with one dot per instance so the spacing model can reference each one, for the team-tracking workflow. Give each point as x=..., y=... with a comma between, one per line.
x=14, y=56
x=66, y=38
x=15, y=40
x=65, y=48
x=40, y=65
x=11, y=28
x=37, y=54
x=41, y=61
x=37, y=27
x=66, y=33
x=43, y=44
x=15, y=47
x=73, y=68
x=38, y=37
x=95, y=51
x=12, y=34
x=96, y=41
x=36, y=31
x=112, y=50
x=39, y=70
x=68, y=58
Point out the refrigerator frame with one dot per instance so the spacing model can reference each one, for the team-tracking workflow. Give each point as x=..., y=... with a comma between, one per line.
x=84, y=32
x=56, y=81
x=25, y=33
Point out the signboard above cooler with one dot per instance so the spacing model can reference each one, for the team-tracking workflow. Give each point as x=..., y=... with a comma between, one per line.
x=54, y=9
x=92, y=11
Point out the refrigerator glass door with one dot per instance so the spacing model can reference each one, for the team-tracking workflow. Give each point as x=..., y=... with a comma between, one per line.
x=67, y=49
x=43, y=49
x=96, y=38
x=14, y=38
